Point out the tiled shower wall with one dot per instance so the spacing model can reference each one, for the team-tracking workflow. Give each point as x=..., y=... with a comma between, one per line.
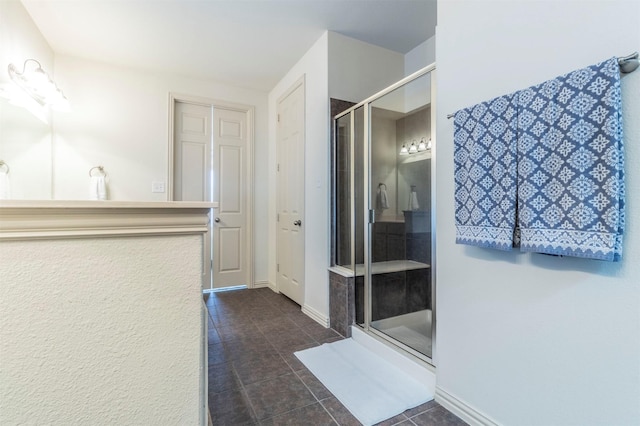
x=341, y=303
x=394, y=294
x=399, y=293
x=389, y=242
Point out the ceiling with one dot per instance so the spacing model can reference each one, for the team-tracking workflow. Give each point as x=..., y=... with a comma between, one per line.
x=248, y=43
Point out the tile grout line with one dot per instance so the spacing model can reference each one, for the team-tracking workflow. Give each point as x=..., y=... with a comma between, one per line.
x=318, y=400
x=243, y=390
x=230, y=314
x=328, y=412
x=242, y=384
x=254, y=414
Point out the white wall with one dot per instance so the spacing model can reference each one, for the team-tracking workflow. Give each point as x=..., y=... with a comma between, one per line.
x=358, y=70
x=527, y=338
x=420, y=56
x=119, y=120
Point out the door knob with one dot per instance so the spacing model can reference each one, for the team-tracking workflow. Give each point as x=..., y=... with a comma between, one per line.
x=298, y=223
x=216, y=220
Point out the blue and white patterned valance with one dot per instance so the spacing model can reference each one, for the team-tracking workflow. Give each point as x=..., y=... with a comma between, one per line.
x=566, y=194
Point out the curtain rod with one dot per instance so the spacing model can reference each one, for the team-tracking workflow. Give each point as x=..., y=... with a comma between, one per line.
x=627, y=65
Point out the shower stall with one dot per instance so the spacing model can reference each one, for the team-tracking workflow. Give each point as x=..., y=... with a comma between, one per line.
x=383, y=213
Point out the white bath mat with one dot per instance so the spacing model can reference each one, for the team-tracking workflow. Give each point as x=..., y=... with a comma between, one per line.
x=371, y=388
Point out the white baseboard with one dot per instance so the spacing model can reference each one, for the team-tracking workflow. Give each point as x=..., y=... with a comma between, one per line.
x=316, y=316
x=260, y=284
x=462, y=410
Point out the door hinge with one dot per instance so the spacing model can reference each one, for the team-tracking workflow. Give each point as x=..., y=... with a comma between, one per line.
x=278, y=267
x=278, y=217
x=278, y=167
x=278, y=118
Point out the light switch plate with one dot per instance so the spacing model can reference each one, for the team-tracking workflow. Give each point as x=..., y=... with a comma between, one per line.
x=157, y=186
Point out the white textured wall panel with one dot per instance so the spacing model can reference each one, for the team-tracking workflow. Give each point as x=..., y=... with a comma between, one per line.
x=100, y=331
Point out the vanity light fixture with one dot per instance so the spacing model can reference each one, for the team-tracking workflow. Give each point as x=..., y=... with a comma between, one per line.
x=422, y=146
x=38, y=85
x=414, y=149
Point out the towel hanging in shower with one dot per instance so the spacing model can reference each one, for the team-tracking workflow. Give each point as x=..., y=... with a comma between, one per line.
x=485, y=173
x=382, y=201
x=571, y=164
x=413, y=201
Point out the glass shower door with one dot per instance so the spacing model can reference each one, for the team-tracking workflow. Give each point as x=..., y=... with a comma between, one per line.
x=398, y=275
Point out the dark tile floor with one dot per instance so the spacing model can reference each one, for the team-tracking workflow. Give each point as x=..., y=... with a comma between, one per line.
x=254, y=378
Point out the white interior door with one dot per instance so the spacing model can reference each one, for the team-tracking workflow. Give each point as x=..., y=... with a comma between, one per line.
x=192, y=167
x=290, y=193
x=231, y=188
x=212, y=162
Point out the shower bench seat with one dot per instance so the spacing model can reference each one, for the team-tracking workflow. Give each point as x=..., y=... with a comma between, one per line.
x=390, y=282
x=391, y=266
x=381, y=267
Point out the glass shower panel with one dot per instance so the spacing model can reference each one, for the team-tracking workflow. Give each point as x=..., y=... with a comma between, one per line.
x=343, y=192
x=359, y=226
x=399, y=275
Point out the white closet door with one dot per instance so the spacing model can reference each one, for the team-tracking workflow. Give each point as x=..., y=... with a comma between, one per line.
x=231, y=190
x=290, y=236
x=193, y=165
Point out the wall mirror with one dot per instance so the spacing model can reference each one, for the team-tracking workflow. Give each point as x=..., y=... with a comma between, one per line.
x=25, y=147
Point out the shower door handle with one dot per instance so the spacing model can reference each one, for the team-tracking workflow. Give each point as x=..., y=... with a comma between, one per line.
x=216, y=220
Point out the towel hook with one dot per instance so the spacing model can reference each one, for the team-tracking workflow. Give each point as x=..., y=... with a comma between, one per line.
x=380, y=185
x=100, y=169
x=5, y=165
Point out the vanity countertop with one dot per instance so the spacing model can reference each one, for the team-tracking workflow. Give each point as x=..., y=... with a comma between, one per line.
x=91, y=204
x=59, y=219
